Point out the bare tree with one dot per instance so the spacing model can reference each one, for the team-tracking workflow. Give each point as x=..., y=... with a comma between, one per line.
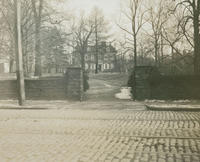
x=27, y=24
x=82, y=33
x=175, y=34
x=173, y=38
x=7, y=31
x=191, y=16
x=100, y=31
x=28, y=32
x=157, y=18
x=122, y=57
x=53, y=49
x=37, y=10
x=135, y=16
x=35, y=16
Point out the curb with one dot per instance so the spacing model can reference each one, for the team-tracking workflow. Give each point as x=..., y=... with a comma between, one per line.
x=171, y=108
x=23, y=108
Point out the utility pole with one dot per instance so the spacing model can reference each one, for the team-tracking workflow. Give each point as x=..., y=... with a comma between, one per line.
x=19, y=57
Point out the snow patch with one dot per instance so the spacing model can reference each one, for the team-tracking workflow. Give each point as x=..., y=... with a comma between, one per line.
x=124, y=94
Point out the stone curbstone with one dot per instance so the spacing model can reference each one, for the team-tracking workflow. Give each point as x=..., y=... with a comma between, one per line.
x=171, y=108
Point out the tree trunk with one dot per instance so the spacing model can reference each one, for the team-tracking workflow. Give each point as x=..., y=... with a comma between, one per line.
x=38, y=61
x=26, y=55
x=162, y=50
x=37, y=19
x=173, y=64
x=156, y=53
x=196, y=43
x=135, y=64
x=83, y=61
x=135, y=50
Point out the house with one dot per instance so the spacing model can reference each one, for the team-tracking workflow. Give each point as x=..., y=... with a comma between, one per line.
x=106, y=58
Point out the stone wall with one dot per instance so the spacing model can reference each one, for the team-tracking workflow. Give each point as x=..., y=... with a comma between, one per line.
x=149, y=84
x=8, y=89
x=175, y=87
x=46, y=89
x=51, y=88
x=140, y=82
x=75, y=84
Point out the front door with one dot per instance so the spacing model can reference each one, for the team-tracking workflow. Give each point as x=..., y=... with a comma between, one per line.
x=100, y=67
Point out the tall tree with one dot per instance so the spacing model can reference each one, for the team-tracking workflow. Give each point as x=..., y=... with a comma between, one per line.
x=28, y=32
x=37, y=7
x=134, y=14
x=82, y=33
x=157, y=18
x=100, y=31
x=7, y=33
x=175, y=40
x=191, y=16
x=53, y=46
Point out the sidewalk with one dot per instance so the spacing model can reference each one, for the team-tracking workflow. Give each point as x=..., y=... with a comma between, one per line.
x=33, y=104
x=154, y=105
x=65, y=104
x=179, y=105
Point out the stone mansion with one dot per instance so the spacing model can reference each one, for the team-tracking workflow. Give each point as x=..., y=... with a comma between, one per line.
x=106, y=58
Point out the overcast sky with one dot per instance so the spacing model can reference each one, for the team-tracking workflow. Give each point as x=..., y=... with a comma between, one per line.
x=111, y=10
x=109, y=7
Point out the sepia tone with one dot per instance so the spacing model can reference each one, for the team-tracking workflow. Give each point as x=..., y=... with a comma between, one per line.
x=100, y=81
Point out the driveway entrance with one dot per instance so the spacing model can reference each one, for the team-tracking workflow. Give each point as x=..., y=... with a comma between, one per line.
x=104, y=86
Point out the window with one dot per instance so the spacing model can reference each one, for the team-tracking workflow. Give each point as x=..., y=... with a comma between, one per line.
x=93, y=66
x=107, y=66
x=86, y=66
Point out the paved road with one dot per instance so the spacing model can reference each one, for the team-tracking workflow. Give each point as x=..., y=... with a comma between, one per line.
x=96, y=135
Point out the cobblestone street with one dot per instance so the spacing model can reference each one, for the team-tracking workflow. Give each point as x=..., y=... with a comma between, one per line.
x=100, y=81
x=110, y=135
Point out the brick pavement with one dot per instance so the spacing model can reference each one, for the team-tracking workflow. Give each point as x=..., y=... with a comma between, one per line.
x=108, y=135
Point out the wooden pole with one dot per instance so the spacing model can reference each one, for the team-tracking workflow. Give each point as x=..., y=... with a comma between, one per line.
x=19, y=56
